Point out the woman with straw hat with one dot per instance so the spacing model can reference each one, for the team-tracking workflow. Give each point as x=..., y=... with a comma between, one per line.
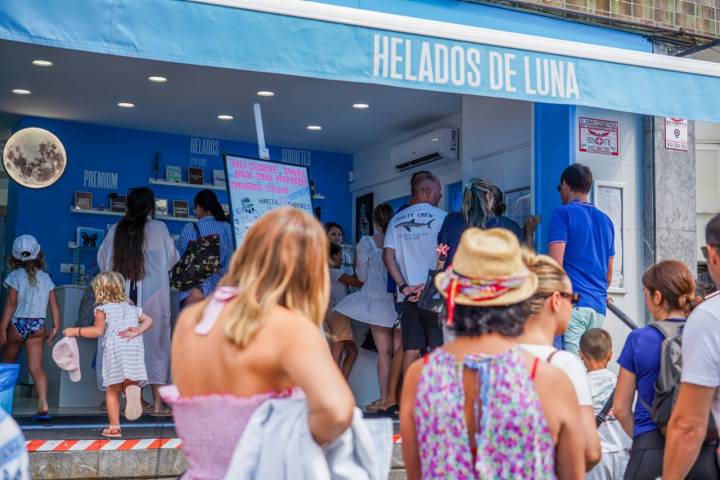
x=479, y=406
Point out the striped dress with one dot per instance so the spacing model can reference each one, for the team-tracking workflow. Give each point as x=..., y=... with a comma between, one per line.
x=122, y=359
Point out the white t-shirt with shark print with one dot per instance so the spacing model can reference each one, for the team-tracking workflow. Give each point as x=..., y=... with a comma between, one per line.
x=412, y=233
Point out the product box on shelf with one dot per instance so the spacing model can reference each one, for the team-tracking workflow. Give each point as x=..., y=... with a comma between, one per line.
x=161, y=206
x=83, y=200
x=181, y=208
x=173, y=174
x=196, y=176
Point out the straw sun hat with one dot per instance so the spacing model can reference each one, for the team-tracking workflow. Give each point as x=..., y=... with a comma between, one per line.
x=487, y=271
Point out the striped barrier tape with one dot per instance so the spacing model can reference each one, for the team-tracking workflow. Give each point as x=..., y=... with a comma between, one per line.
x=110, y=445
x=102, y=445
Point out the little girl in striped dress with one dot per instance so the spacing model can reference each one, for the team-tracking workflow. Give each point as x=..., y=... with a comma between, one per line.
x=123, y=357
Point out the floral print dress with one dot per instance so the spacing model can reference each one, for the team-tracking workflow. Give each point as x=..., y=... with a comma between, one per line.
x=512, y=436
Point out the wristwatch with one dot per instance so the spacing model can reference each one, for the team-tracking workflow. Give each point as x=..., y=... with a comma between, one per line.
x=402, y=287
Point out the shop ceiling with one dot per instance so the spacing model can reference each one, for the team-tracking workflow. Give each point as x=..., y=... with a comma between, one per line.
x=86, y=87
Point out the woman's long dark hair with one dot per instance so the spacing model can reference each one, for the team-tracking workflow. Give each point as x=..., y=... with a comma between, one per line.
x=207, y=200
x=128, y=256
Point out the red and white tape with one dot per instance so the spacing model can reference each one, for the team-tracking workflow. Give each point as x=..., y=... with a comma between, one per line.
x=107, y=445
x=102, y=445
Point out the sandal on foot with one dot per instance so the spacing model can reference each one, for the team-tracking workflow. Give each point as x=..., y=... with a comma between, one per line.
x=164, y=413
x=41, y=417
x=133, y=404
x=112, y=431
x=373, y=407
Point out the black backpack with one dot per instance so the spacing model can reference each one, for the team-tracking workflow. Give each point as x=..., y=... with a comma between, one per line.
x=667, y=384
x=200, y=260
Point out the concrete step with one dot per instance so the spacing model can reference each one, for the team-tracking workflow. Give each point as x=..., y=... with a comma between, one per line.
x=132, y=464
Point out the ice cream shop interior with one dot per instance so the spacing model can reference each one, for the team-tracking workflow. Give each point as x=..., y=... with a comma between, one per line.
x=358, y=99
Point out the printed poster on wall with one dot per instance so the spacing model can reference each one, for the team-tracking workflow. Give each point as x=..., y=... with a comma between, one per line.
x=609, y=199
x=598, y=136
x=363, y=216
x=676, y=134
x=256, y=186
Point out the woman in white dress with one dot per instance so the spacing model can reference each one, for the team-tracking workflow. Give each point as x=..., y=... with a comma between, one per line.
x=143, y=251
x=373, y=304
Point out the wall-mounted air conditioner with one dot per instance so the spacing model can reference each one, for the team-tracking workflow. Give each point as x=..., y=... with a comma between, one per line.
x=441, y=144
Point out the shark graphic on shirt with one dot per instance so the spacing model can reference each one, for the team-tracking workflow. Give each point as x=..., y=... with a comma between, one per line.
x=412, y=224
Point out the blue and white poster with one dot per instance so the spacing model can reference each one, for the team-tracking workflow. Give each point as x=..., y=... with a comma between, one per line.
x=257, y=186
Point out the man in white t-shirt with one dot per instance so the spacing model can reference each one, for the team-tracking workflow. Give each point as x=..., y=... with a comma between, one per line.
x=409, y=253
x=699, y=394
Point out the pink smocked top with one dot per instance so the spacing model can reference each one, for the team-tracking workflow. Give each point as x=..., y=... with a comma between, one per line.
x=210, y=426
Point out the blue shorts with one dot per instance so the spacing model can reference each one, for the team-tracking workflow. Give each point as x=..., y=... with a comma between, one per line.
x=27, y=327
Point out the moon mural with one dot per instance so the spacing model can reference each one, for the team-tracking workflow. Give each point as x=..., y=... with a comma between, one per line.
x=34, y=158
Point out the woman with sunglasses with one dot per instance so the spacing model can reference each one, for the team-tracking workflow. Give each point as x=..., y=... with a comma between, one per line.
x=551, y=308
x=670, y=296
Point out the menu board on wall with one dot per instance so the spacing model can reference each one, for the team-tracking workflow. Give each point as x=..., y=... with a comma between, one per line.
x=609, y=199
x=257, y=186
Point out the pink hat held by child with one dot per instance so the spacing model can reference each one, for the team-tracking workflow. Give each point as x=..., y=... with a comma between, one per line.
x=67, y=356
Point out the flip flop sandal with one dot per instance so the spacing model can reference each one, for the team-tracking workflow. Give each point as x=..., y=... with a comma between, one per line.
x=133, y=404
x=373, y=407
x=112, y=431
x=393, y=411
x=164, y=413
x=41, y=417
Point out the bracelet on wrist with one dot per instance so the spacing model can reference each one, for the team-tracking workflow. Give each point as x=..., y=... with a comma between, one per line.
x=402, y=287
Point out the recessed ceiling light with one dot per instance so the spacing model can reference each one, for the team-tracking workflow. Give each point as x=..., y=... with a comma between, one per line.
x=435, y=139
x=157, y=79
x=361, y=106
x=42, y=63
x=21, y=91
x=265, y=93
x=225, y=117
x=126, y=105
x=314, y=128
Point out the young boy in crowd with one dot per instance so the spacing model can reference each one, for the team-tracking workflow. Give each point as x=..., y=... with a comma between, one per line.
x=337, y=326
x=595, y=352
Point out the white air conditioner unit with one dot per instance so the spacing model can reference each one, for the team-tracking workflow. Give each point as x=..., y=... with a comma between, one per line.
x=441, y=144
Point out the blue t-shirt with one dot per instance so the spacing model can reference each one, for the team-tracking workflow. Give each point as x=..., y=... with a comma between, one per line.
x=454, y=225
x=589, y=238
x=507, y=223
x=641, y=356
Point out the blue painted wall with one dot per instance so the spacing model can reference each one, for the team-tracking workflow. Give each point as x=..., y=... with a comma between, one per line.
x=499, y=18
x=554, y=150
x=46, y=214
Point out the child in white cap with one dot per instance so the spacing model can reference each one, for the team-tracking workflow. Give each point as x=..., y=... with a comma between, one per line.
x=30, y=290
x=121, y=325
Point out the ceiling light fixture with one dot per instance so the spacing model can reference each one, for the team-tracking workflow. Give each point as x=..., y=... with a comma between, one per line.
x=314, y=128
x=225, y=117
x=21, y=91
x=42, y=63
x=126, y=105
x=265, y=93
x=157, y=79
x=360, y=106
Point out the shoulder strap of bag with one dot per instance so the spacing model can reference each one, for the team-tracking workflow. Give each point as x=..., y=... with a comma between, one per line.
x=550, y=357
x=197, y=230
x=601, y=417
x=668, y=329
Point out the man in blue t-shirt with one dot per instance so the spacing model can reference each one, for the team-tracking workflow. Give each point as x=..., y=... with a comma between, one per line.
x=582, y=239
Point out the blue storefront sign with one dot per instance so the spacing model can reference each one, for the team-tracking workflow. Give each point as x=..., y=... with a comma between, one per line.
x=241, y=37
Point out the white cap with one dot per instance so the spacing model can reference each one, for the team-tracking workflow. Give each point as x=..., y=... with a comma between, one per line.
x=25, y=247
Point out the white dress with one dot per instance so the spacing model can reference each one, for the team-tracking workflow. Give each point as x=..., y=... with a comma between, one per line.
x=123, y=359
x=153, y=294
x=372, y=304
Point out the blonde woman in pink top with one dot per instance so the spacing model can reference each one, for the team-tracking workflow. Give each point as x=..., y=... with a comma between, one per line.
x=257, y=337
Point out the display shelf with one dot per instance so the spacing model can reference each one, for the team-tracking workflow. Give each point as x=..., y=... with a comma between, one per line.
x=95, y=211
x=208, y=186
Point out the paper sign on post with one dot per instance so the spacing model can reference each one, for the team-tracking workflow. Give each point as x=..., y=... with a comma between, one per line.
x=257, y=186
x=676, y=134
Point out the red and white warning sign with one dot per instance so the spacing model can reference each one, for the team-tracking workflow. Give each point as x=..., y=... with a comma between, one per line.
x=676, y=134
x=598, y=136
